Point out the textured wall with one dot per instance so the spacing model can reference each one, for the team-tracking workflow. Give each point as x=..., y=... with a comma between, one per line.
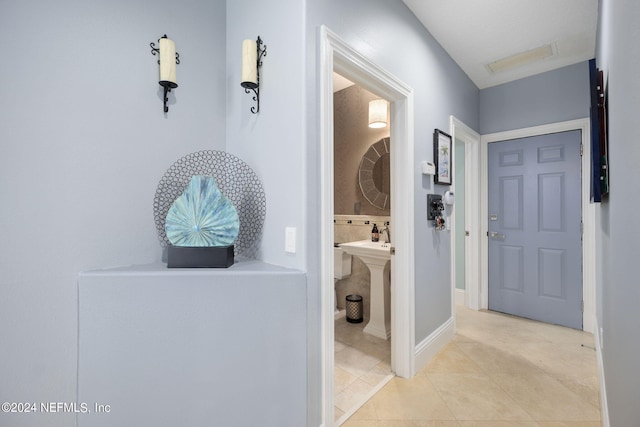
x=352, y=138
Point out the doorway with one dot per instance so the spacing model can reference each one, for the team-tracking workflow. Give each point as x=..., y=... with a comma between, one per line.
x=465, y=217
x=588, y=212
x=362, y=194
x=336, y=55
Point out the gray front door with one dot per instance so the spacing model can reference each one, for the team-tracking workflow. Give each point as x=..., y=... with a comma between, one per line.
x=535, y=231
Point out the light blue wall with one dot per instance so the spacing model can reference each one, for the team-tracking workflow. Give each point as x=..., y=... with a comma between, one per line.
x=618, y=285
x=273, y=141
x=554, y=96
x=390, y=35
x=188, y=348
x=84, y=143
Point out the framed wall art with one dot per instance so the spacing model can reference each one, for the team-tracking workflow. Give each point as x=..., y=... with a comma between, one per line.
x=442, y=157
x=599, y=134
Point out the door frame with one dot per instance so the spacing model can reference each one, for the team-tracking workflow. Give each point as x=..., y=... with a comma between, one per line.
x=471, y=140
x=588, y=212
x=336, y=55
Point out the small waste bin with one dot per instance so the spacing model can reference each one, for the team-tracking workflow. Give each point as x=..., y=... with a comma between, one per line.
x=354, y=309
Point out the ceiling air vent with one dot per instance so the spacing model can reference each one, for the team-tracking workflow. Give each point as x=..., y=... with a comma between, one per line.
x=520, y=59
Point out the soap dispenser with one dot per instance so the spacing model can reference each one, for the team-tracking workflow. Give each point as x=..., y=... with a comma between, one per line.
x=375, y=235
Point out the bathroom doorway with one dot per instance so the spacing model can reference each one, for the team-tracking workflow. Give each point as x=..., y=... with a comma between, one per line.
x=337, y=56
x=362, y=203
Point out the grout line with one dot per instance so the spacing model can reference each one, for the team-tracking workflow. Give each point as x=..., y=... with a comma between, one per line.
x=364, y=400
x=374, y=388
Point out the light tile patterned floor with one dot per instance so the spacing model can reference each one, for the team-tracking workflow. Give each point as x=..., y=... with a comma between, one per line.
x=498, y=371
x=362, y=362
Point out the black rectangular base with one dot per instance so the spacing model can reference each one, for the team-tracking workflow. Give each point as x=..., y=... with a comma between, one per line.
x=200, y=257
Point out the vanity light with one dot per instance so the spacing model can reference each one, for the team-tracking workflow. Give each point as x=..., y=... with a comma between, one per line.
x=378, y=113
x=168, y=60
x=252, y=53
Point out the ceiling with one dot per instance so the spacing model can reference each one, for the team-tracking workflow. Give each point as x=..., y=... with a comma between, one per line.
x=498, y=41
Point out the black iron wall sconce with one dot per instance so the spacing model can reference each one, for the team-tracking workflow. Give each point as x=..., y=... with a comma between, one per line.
x=168, y=60
x=252, y=53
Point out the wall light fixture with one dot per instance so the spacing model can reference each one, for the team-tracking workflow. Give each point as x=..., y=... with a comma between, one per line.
x=168, y=60
x=252, y=53
x=378, y=113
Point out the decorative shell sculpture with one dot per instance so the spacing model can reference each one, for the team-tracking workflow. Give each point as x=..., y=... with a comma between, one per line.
x=202, y=216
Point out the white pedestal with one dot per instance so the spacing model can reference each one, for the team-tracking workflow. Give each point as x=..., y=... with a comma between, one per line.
x=380, y=304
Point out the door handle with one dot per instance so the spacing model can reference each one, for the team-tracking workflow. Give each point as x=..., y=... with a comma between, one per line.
x=496, y=236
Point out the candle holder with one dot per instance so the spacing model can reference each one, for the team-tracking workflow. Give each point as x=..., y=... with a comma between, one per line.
x=251, y=64
x=166, y=51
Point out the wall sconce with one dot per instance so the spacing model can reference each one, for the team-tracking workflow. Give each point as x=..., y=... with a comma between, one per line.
x=252, y=53
x=168, y=60
x=378, y=113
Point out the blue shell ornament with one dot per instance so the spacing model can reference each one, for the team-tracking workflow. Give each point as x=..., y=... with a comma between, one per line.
x=202, y=216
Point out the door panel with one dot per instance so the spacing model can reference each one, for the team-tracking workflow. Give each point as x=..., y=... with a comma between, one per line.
x=535, y=236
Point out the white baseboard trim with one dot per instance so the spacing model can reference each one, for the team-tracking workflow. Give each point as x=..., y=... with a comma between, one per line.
x=460, y=296
x=430, y=346
x=604, y=410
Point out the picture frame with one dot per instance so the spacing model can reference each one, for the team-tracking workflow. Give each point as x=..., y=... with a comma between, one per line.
x=442, y=155
x=599, y=134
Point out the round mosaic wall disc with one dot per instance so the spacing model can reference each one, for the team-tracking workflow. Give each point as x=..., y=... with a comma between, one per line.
x=235, y=179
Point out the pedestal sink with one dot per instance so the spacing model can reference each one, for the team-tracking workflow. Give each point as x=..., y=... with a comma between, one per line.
x=375, y=255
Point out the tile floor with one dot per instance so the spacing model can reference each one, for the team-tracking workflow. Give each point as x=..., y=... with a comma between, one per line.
x=498, y=371
x=362, y=366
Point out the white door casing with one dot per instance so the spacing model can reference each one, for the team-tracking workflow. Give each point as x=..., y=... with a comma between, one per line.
x=336, y=55
x=588, y=211
x=471, y=140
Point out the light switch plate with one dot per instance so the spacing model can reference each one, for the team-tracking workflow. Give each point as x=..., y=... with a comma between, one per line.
x=290, y=240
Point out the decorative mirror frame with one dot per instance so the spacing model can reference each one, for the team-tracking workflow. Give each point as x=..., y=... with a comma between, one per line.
x=365, y=174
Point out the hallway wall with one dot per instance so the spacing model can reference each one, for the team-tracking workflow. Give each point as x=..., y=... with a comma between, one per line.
x=376, y=28
x=555, y=96
x=618, y=286
x=386, y=32
x=84, y=143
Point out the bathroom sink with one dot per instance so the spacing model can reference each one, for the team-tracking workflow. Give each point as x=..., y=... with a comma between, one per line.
x=367, y=248
x=375, y=255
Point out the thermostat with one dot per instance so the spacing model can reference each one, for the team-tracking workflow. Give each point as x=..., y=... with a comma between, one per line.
x=428, y=168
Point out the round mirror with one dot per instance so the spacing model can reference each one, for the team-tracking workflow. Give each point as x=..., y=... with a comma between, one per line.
x=374, y=176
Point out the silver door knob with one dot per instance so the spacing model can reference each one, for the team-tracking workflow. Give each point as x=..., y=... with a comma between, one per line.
x=496, y=236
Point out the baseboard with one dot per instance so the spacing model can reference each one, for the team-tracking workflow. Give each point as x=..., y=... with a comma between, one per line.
x=430, y=346
x=459, y=296
x=604, y=409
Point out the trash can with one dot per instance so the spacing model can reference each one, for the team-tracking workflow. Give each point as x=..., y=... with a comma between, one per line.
x=354, y=309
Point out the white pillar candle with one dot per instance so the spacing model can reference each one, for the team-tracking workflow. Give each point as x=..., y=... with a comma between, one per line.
x=249, y=64
x=168, y=62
